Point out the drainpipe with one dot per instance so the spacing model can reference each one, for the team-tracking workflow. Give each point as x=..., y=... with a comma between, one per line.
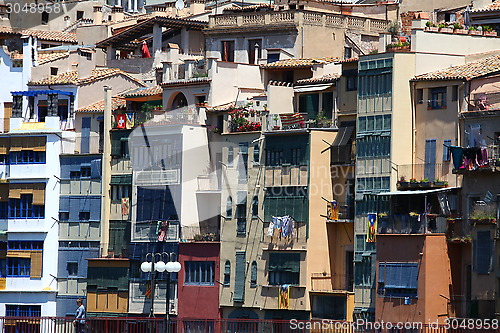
x=106, y=174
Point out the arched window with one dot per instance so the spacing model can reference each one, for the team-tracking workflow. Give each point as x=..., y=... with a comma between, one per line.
x=253, y=274
x=229, y=208
x=227, y=273
x=179, y=101
x=255, y=207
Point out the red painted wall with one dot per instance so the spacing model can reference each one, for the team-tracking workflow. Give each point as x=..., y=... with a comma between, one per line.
x=200, y=302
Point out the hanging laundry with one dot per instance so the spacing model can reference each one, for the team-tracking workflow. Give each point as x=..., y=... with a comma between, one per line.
x=272, y=226
x=284, y=297
x=288, y=226
x=457, y=154
x=162, y=230
x=125, y=206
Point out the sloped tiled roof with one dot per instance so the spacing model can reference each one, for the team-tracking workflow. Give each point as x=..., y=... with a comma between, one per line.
x=491, y=7
x=71, y=77
x=323, y=79
x=345, y=61
x=142, y=92
x=56, y=36
x=186, y=82
x=43, y=57
x=464, y=72
x=298, y=63
x=116, y=103
x=251, y=8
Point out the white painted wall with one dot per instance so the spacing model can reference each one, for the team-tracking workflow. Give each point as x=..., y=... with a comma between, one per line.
x=12, y=80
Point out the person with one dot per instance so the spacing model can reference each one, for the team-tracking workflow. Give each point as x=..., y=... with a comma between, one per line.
x=79, y=321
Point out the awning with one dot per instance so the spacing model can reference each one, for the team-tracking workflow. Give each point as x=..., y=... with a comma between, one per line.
x=344, y=134
x=40, y=92
x=316, y=87
x=436, y=190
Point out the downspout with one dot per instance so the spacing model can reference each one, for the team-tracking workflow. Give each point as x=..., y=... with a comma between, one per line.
x=106, y=174
x=413, y=124
x=302, y=42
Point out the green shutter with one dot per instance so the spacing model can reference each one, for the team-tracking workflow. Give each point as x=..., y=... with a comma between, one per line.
x=327, y=107
x=312, y=103
x=289, y=262
x=239, y=281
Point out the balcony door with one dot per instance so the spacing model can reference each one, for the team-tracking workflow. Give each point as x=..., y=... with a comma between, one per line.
x=430, y=160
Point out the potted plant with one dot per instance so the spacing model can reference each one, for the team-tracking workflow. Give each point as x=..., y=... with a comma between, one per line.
x=459, y=29
x=429, y=26
x=474, y=31
x=439, y=183
x=445, y=28
x=414, y=183
x=488, y=31
x=402, y=183
x=398, y=47
x=425, y=183
x=483, y=214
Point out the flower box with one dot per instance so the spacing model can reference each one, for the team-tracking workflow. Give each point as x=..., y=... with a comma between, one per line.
x=475, y=32
x=414, y=185
x=440, y=184
x=431, y=29
x=446, y=30
x=490, y=33
x=461, y=31
x=403, y=185
x=399, y=49
x=483, y=221
x=425, y=184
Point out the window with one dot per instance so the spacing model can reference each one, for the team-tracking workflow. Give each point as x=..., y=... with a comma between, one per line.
x=45, y=18
x=84, y=216
x=254, y=50
x=227, y=273
x=23, y=310
x=284, y=268
x=227, y=53
x=229, y=208
x=62, y=109
x=241, y=213
x=243, y=163
x=362, y=271
x=240, y=277
x=397, y=279
x=419, y=96
x=25, y=245
x=230, y=157
x=85, y=172
x=120, y=191
x=296, y=156
x=199, y=273
x=351, y=82
x=63, y=216
x=27, y=157
x=454, y=93
x=255, y=207
x=79, y=14
x=347, y=52
x=291, y=200
x=309, y=104
x=446, y=150
x=438, y=98
x=253, y=274
x=328, y=307
x=53, y=70
x=24, y=208
x=272, y=57
x=72, y=268
x=3, y=268
x=256, y=155
x=4, y=209
x=18, y=267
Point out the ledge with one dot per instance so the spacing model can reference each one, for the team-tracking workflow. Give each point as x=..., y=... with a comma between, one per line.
x=278, y=286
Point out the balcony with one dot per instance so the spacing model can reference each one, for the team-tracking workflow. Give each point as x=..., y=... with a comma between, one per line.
x=491, y=164
x=412, y=223
x=294, y=122
x=147, y=231
x=483, y=104
x=343, y=213
x=278, y=242
x=208, y=183
x=121, y=166
x=244, y=121
x=286, y=175
x=425, y=176
x=296, y=18
x=322, y=282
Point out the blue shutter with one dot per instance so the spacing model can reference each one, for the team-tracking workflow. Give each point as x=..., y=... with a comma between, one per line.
x=483, y=252
x=95, y=209
x=239, y=281
x=95, y=167
x=85, y=142
x=64, y=204
x=446, y=150
x=430, y=159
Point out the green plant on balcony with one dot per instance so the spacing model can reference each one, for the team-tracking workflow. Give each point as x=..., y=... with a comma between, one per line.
x=457, y=26
x=322, y=120
x=398, y=45
x=472, y=28
x=487, y=28
x=429, y=24
x=484, y=214
x=442, y=25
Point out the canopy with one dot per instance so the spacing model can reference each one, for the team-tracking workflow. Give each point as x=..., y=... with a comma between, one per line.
x=436, y=190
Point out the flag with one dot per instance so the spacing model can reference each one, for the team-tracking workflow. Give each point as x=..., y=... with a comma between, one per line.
x=120, y=121
x=332, y=210
x=284, y=297
x=371, y=235
x=130, y=121
x=125, y=206
x=291, y=120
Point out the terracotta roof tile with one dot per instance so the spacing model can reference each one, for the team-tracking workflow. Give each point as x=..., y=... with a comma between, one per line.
x=464, y=72
x=324, y=79
x=187, y=82
x=116, y=103
x=43, y=57
x=348, y=60
x=142, y=92
x=42, y=34
x=71, y=77
x=491, y=7
x=298, y=63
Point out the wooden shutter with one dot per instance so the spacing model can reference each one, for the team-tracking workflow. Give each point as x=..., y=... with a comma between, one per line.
x=239, y=281
x=7, y=114
x=4, y=146
x=38, y=143
x=36, y=265
x=19, y=254
x=16, y=144
x=4, y=192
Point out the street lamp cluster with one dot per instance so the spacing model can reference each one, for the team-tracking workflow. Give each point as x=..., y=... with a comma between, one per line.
x=160, y=266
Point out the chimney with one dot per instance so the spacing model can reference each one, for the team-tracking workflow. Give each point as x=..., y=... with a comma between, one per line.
x=86, y=62
x=197, y=7
x=97, y=15
x=188, y=68
x=117, y=13
x=383, y=40
x=167, y=71
x=419, y=20
x=159, y=10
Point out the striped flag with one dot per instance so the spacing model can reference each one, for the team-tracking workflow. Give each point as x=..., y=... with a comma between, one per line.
x=289, y=119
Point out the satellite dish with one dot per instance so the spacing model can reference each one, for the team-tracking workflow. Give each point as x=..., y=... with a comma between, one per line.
x=179, y=4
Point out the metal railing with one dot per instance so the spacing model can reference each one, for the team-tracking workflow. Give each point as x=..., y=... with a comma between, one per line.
x=431, y=171
x=406, y=224
x=157, y=325
x=293, y=175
